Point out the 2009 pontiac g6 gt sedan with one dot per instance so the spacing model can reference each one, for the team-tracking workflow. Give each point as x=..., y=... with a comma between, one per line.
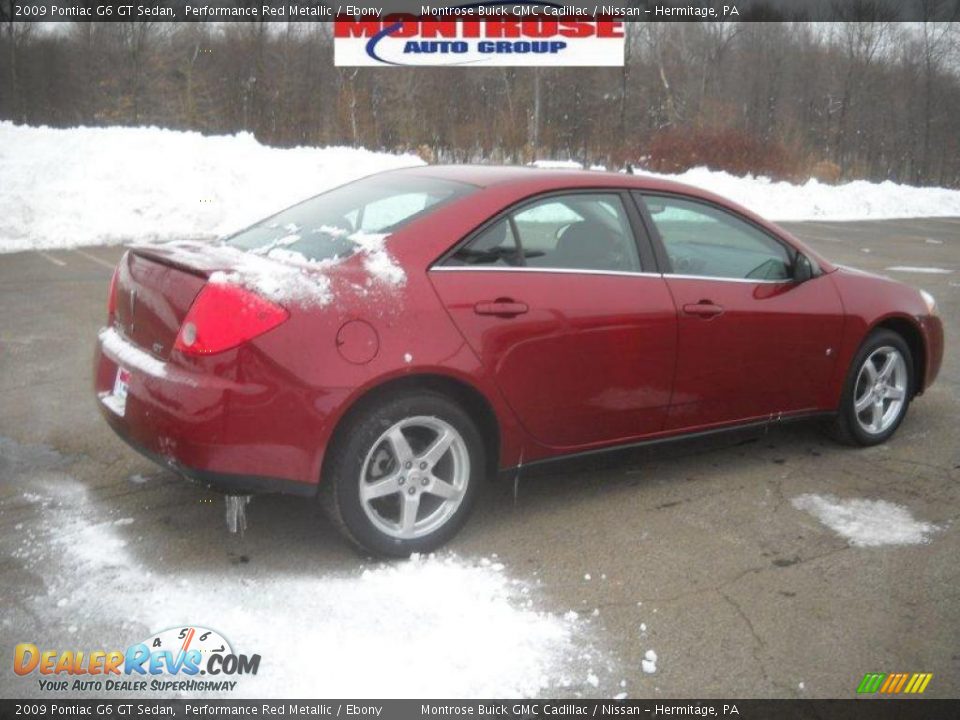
x=391, y=343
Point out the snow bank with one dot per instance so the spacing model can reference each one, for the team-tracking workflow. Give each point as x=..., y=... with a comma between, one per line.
x=556, y=165
x=866, y=523
x=97, y=186
x=814, y=200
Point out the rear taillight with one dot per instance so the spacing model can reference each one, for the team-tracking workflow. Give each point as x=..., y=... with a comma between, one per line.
x=224, y=316
x=112, y=297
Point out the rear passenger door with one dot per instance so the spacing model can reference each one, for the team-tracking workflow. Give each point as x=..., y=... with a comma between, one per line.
x=566, y=312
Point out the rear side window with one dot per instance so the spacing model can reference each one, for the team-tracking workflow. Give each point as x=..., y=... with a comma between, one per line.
x=705, y=241
x=588, y=231
x=320, y=228
x=497, y=246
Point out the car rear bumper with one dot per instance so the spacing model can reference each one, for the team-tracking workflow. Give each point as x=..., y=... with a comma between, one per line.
x=226, y=483
x=237, y=437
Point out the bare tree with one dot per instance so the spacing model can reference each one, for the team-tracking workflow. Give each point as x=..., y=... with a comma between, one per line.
x=869, y=97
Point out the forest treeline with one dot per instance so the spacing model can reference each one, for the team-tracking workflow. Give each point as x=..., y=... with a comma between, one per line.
x=871, y=99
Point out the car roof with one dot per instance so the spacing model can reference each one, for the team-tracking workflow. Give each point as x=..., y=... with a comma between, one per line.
x=544, y=178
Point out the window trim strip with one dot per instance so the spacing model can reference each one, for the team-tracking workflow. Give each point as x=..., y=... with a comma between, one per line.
x=624, y=273
x=558, y=271
x=764, y=281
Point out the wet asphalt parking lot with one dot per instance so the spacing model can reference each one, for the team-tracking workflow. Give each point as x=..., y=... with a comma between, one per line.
x=740, y=593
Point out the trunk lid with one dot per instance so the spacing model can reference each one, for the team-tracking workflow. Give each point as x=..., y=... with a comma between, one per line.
x=156, y=286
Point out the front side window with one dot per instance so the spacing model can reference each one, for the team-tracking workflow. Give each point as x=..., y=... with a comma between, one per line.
x=588, y=231
x=705, y=241
x=320, y=228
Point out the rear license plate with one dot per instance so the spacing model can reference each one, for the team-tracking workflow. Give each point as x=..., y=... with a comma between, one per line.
x=117, y=400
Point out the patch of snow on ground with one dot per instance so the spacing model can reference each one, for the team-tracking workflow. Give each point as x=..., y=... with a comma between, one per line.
x=649, y=662
x=920, y=270
x=866, y=523
x=428, y=627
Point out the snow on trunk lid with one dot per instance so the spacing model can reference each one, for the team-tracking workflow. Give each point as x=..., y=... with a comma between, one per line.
x=158, y=283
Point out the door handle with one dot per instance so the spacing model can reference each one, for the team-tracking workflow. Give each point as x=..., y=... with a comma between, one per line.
x=501, y=307
x=704, y=309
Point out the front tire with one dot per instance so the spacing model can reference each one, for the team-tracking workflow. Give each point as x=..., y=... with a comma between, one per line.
x=403, y=476
x=877, y=391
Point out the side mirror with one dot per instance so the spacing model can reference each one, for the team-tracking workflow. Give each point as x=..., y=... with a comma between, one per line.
x=802, y=268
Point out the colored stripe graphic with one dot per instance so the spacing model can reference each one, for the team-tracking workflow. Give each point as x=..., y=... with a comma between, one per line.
x=871, y=682
x=890, y=685
x=918, y=683
x=894, y=683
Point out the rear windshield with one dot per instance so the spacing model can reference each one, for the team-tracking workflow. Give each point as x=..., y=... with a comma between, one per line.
x=320, y=228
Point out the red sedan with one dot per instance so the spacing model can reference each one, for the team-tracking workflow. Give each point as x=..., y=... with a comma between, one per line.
x=391, y=343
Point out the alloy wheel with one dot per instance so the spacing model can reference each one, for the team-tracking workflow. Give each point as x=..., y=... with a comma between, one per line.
x=414, y=477
x=881, y=390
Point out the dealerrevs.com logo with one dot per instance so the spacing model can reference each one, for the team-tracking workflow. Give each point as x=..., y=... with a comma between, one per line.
x=403, y=40
x=182, y=659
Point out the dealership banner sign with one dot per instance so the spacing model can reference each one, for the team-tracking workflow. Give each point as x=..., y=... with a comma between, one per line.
x=400, y=41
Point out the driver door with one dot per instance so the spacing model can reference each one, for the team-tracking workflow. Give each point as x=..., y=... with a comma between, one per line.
x=752, y=342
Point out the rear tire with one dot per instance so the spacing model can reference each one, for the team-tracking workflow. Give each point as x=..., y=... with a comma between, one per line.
x=877, y=391
x=404, y=474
